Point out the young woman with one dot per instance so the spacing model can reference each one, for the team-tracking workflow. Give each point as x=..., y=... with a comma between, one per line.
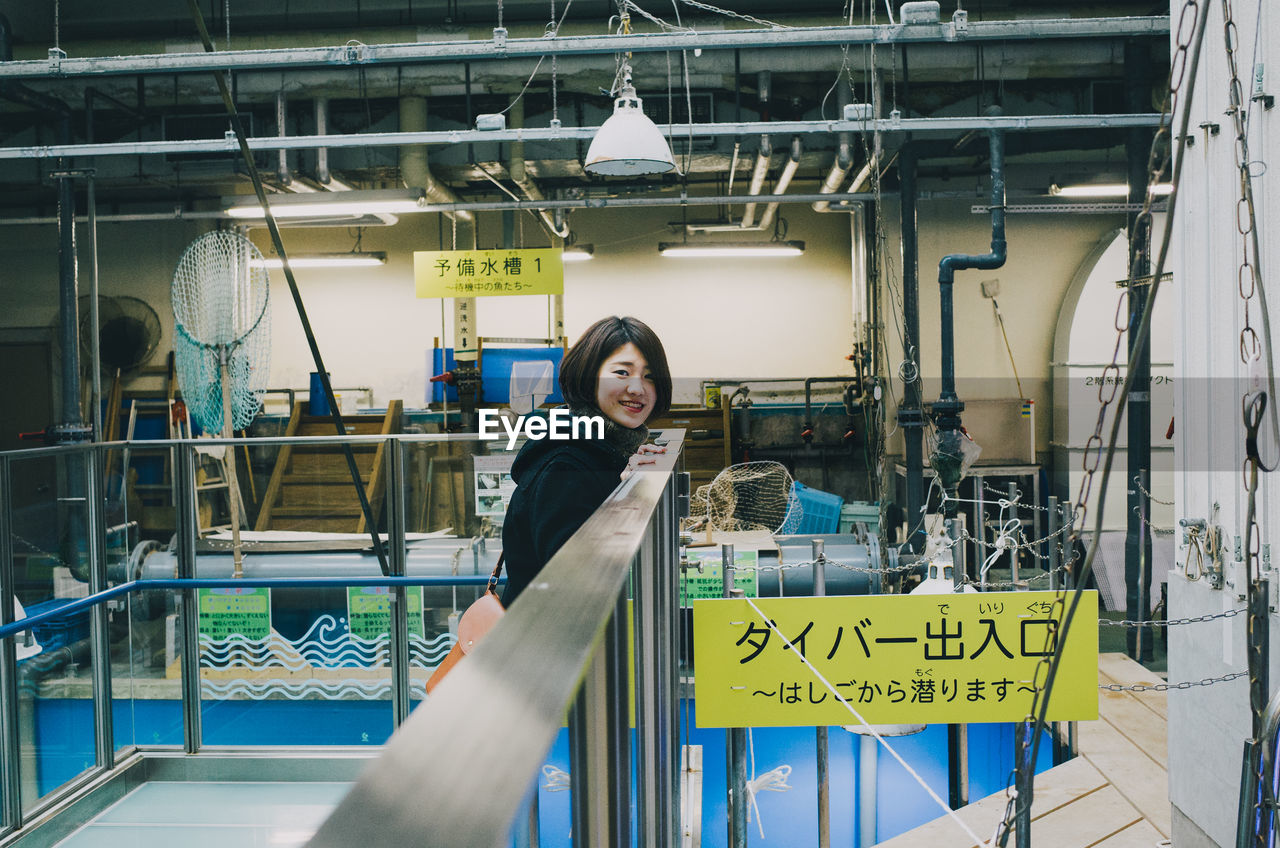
x=616, y=371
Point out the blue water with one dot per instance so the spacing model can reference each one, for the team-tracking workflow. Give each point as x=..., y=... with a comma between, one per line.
x=64, y=736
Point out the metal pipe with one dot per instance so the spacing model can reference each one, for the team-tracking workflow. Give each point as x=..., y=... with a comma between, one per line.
x=920, y=126
x=949, y=418
x=671, y=510
x=414, y=170
x=784, y=180
x=68, y=303
x=1024, y=783
x=374, y=55
x=758, y=173
x=99, y=634
x=95, y=341
x=617, y=742
x=843, y=160
x=185, y=512
x=957, y=765
x=1013, y=551
x=397, y=555
x=1054, y=561
x=322, y=128
x=649, y=791
x=1137, y=544
x=735, y=737
x=517, y=171
x=821, y=740
x=910, y=412
x=10, y=739
x=283, y=172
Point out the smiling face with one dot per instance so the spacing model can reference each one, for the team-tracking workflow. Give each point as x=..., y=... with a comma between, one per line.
x=624, y=387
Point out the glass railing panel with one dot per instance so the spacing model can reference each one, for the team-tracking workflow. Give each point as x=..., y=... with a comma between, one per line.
x=56, y=727
x=456, y=494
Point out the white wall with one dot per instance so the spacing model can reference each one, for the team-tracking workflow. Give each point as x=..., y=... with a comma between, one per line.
x=1207, y=725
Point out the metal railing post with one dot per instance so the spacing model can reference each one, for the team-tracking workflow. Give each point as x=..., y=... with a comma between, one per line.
x=1054, y=561
x=735, y=737
x=10, y=744
x=599, y=744
x=1013, y=551
x=649, y=685
x=396, y=561
x=184, y=499
x=99, y=632
x=821, y=739
x=674, y=506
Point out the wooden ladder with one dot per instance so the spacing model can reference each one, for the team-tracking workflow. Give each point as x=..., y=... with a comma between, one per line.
x=311, y=487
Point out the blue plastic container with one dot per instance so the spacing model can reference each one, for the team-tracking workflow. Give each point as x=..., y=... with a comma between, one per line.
x=812, y=511
x=58, y=632
x=317, y=401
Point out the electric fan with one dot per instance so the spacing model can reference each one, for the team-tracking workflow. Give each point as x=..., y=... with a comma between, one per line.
x=128, y=332
x=222, y=341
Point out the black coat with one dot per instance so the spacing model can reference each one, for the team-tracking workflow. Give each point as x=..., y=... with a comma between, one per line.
x=559, y=484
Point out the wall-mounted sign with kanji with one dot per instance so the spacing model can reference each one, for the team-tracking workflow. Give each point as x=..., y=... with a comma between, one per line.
x=896, y=659
x=235, y=612
x=488, y=273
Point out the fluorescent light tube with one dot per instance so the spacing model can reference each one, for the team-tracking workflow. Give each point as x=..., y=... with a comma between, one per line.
x=1105, y=190
x=578, y=253
x=726, y=249
x=333, y=209
x=325, y=260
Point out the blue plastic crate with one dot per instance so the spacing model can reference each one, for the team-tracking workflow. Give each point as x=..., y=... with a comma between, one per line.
x=58, y=632
x=812, y=511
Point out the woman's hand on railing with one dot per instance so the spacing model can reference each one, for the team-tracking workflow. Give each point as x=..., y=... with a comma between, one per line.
x=644, y=456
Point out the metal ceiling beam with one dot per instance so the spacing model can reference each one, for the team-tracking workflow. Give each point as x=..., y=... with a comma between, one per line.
x=919, y=126
x=356, y=54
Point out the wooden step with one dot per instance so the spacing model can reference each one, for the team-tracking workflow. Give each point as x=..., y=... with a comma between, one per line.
x=328, y=464
x=322, y=495
x=356, y=425
x=351, y=513
x=340, y=524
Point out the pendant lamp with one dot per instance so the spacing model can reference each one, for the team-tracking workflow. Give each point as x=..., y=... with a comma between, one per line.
x=628, y=143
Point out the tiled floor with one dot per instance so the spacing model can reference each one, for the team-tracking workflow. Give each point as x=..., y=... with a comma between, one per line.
x=212, y=815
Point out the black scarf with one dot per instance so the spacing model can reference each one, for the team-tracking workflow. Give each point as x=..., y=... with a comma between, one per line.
x=623, y=440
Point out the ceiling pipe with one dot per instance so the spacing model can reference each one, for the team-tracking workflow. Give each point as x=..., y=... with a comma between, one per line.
x=764, y=82
x=784, y=180
x=283, y=172
x=322, y=153
x=516, y=169
x=323, y=175
x=758, y=174
x=844, y=152
x=413, y=159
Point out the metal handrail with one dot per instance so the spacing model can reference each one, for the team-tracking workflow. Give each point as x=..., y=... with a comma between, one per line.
x=80, y=605
x=576, y=599
x=459, y=768
x=252, y=441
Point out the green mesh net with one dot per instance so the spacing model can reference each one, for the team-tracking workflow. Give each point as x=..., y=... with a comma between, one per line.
x=220, y=306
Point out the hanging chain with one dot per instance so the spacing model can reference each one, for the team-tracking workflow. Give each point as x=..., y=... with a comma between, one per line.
x=1103, y=622
x=1157, y=163
x=1165, y=687
x=1137, y=481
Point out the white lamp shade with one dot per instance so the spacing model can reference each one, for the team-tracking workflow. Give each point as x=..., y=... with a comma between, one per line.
x=628, y=143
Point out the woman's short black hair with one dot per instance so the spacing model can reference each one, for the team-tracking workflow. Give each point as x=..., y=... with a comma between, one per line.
x=580, y=370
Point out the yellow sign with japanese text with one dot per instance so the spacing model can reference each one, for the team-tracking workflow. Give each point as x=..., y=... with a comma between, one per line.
x=488, y=273
x=895, y=659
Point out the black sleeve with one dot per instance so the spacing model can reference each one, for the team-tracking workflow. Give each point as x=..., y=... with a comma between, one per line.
x=562, y=499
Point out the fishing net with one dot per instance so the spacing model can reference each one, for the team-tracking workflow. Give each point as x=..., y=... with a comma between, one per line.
x=220, y=305
x=748, y=496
